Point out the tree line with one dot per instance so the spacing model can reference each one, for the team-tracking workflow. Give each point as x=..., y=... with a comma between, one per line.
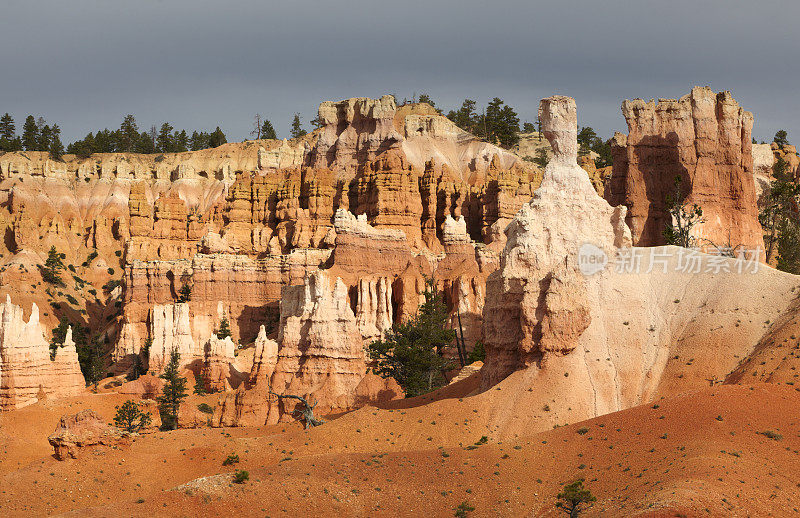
x=37, y=135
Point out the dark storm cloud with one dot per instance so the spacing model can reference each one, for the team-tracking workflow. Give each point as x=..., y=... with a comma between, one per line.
x=84, y=64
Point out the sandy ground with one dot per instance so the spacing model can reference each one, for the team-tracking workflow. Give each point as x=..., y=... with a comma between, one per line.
x=698, y=454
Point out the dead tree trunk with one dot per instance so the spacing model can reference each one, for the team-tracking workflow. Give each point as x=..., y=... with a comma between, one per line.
x=307, y=412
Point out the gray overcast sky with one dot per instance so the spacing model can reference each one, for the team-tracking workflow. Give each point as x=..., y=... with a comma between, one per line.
x=84, y=64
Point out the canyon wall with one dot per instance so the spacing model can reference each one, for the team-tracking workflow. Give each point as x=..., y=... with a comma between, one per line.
x=705, y=139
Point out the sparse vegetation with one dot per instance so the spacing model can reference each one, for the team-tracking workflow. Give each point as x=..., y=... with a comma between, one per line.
x=130, y=418
x=240, y=477
x=231, y=459
x=769, y=434
x=678, y=231
x=575, y=499
x=477, y=354
x=463, y=509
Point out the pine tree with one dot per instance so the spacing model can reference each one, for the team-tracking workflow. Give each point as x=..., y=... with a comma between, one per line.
x=777, y=208
x=217, y=138
x=56, y=148
x=7, y=128
x=297, y=130
x=789, y=246
x=51, y=271
x=200, y=383
x=575, y=499
x=173, y=393
x=137, y=369
x=781, y=138
x=224, y=330
x=502, y=123
x=425, y=98
x=8, y=134
x=90, y=358
x=128, y=134
x=45, y=136
x=180, y=141
x=30, y=134
x=164, y=143
x=130, y=418
x=413, y=352
x=267, y=131
x=466, y=117
x=105, y=141
x=59, y=334
x=144, y=144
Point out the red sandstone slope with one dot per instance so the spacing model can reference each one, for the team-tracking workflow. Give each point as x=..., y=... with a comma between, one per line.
x=643, y=461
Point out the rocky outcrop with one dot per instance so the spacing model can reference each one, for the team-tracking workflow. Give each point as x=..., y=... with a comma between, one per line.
x=171, y=329
x=216, y=367
x=27, y=372
x=356, y=131
x=536, y=302
x=85, y=429
x=321, y=357
x=703, y=138
x=577, y=323
x=322, y=348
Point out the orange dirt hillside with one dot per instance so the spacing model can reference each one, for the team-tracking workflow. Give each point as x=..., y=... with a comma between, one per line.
x=699, y=454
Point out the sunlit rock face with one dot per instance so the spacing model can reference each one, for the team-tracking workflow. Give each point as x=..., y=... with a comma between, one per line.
x=705, y=139
x=27, y=372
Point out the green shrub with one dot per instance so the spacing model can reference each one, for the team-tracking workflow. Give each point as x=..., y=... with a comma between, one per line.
x=205, y=408
x=775, y=436
x=231, y=459
x=463, y=509
x=240, y=477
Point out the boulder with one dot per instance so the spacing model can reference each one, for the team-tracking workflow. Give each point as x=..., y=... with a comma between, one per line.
x=84, y=429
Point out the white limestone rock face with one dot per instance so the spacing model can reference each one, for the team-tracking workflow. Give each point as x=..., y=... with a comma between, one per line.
x=374, y=308
x=266, y=356
x=321, y=347
x=345, y=222
x=589, y=341
x=170, y=328
x=26, y=370
x=455, y=230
